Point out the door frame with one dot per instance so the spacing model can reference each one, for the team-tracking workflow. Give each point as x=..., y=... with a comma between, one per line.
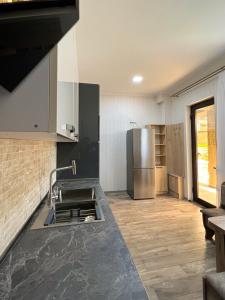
x=193, y=108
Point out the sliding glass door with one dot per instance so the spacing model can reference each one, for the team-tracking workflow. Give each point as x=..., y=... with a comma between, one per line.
x=204, y=152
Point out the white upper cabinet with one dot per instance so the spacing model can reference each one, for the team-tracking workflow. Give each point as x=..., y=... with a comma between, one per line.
x=67, y=84
x=45, y=104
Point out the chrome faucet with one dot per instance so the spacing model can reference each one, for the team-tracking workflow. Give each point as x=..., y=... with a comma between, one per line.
x=54, y=196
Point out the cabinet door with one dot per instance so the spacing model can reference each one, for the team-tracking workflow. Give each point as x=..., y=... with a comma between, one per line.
x=175, y=149
x=161, y=179
x=65, y=104
x=26, y=109
x=67, y=84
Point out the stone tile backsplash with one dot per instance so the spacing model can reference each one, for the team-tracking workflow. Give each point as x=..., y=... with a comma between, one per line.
x=24, y=181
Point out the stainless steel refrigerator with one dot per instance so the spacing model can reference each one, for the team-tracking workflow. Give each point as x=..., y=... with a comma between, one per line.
x=141, y=163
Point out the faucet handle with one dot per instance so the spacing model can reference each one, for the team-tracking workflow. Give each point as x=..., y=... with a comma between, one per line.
x=55, y=190
x=74, y=167
x=55, y=193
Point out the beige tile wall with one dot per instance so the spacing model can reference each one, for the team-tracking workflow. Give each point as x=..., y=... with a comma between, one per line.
x=24, y=179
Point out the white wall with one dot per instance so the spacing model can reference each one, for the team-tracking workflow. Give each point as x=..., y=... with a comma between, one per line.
x=116, y=113
x=179, y=112
x=67, y=59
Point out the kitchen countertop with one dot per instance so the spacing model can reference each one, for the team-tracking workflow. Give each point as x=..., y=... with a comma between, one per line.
x=82, y=262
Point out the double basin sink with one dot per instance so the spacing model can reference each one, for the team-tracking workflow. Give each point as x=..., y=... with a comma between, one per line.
x=74, y=207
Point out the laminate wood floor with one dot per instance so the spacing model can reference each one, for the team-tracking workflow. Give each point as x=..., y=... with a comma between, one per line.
x=165, y=237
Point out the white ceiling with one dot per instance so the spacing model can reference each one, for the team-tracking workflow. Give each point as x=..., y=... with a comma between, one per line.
x=163, y=40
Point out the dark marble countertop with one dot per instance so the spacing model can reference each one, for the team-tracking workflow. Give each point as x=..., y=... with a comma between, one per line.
x=82, y=262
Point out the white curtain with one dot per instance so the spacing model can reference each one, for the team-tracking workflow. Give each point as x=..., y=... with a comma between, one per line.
x=220, y=116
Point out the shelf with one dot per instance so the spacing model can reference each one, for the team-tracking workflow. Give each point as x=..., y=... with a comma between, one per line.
x=160, y=144
x=160, y=158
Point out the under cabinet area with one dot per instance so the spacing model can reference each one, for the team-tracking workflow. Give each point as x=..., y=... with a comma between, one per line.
x=175, y=186
x=45, y=104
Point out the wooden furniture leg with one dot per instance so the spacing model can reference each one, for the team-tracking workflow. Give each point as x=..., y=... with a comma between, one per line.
x=209, y=233
x=204, y=288
x=220, y=252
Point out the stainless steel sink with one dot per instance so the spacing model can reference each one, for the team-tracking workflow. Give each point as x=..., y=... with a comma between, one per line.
x=76, y=207
x=75, y=195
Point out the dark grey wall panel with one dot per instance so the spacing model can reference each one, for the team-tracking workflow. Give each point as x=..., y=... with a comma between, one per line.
x=86, y=151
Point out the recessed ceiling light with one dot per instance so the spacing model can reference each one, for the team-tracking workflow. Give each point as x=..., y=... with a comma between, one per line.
x=137, y=79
